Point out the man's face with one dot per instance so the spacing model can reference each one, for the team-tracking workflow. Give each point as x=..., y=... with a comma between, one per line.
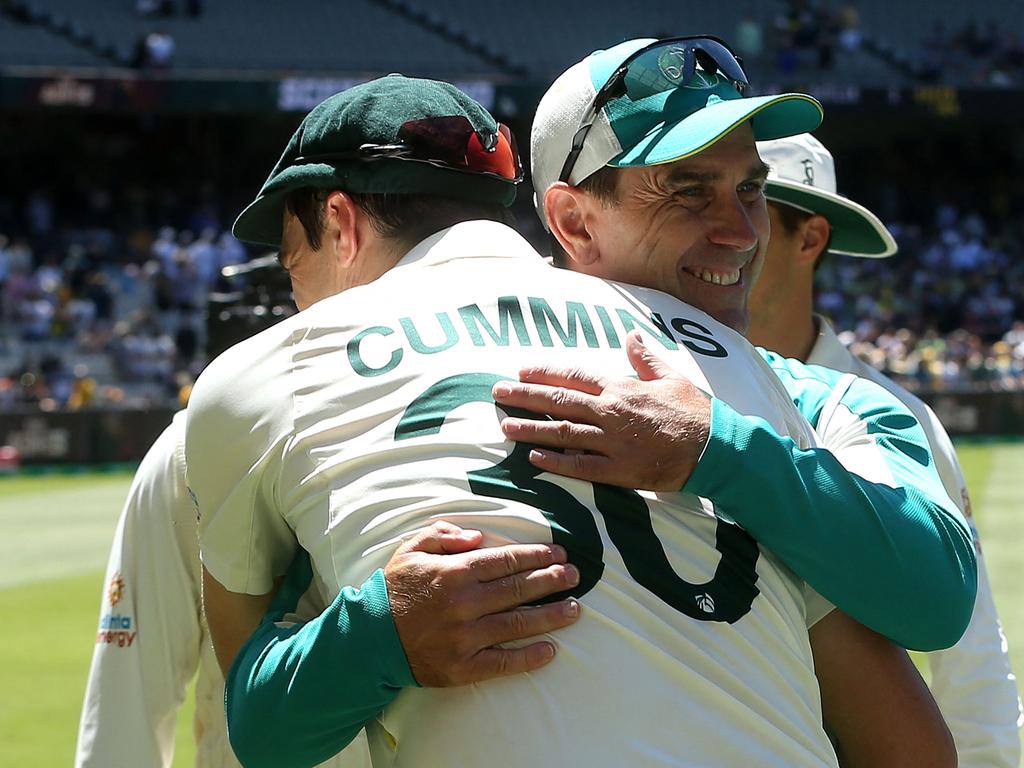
x=696, y=228
x=780, y=278
x=314, y=276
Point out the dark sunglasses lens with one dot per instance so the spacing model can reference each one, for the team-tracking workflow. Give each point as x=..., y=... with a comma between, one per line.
x=724, y=58
x=658, y=70
x=438, y=138
x=707, y=63
x=452, y=141
x=501, y=158
x=672, y=65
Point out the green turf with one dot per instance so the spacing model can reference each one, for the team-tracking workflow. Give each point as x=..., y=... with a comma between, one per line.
x=55, y=532
x=54, y=526
x=54, y=536
x=997, y=497
x=47, y=650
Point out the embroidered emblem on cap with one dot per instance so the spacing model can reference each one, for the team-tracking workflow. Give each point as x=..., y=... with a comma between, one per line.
x=808, y=171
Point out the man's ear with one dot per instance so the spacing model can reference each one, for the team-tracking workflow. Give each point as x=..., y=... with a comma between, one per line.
x=814, y=238
x=566, y=209
x=341, y=227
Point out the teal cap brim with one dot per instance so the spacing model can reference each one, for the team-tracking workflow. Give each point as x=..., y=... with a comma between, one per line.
x=772, y=117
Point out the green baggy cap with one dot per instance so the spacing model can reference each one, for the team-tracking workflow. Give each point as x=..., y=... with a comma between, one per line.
x=371, y=113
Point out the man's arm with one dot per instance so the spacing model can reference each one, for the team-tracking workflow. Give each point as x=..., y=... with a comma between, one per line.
x=906, y=541
x=147, y=644
x=297, y=694
x=874, y=703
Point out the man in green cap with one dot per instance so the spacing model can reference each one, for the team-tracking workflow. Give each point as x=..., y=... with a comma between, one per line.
x=348, y=428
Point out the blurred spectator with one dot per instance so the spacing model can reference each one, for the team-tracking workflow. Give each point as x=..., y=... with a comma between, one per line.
x=849, y=28
x=749, y=40
x=158, y=50
x=154, y=7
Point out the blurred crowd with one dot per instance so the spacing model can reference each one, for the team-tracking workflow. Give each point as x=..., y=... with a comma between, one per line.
x=89, y=318
x=980, y=54
x=800, y=35
x=809, y=35
x=944, y=313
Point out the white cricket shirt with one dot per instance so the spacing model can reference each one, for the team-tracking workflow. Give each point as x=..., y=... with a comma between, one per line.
x=355, y=423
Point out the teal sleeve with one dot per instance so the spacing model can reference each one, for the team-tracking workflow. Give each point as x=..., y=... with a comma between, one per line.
x=898, y=560
x=297, y=694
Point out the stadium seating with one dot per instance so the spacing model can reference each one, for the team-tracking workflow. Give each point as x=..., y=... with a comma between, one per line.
x=354, y=36
x=461, y=38
x=28, y=45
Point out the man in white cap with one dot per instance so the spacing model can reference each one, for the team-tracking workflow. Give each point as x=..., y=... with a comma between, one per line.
x=645, y=170
x=972, y=682
x=677, y=206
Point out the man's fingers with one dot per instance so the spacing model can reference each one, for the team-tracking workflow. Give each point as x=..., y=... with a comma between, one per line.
x=647, y=365
x=558, y=402
x=522, y=588
x=494, y=563
x=531, y=621
x=557, y=434
x=502, y=662
x=589, y=466
x=570, y=378
x=443, y=538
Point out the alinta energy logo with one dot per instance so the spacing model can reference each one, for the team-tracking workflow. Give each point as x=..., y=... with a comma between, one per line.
x=115, y=629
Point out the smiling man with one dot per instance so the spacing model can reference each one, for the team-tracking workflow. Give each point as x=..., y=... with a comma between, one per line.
x=654, y=235
x=650, y=177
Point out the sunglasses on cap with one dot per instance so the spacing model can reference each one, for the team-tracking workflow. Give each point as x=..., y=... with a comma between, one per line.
x=444, y=142
x=661, y=66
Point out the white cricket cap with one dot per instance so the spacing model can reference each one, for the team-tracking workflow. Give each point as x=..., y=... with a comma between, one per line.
x=803, y=175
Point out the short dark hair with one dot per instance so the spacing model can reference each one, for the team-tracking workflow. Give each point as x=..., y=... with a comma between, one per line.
x=792, y=218
x=602, y=184
x=407, y=219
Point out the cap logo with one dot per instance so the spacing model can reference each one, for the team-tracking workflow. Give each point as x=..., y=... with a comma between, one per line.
x=672, y=63
x=808, y=172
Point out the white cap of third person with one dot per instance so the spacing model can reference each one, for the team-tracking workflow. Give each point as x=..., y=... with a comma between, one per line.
x=803, y=175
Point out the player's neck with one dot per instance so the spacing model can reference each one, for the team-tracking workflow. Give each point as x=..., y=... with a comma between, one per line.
x=790, y=331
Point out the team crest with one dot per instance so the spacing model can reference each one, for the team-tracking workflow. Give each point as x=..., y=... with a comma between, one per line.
x=115, y=590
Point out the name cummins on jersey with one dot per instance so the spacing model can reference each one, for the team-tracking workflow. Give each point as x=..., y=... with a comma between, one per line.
x=352, y=425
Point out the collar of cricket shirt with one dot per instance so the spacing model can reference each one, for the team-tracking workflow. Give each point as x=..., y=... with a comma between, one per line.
x=828, y=350
x=470, y=240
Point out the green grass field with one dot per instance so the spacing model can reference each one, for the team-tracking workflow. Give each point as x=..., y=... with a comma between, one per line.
x=55, y=532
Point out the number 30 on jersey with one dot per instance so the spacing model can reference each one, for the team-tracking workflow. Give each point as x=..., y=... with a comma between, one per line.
x=726, y=597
